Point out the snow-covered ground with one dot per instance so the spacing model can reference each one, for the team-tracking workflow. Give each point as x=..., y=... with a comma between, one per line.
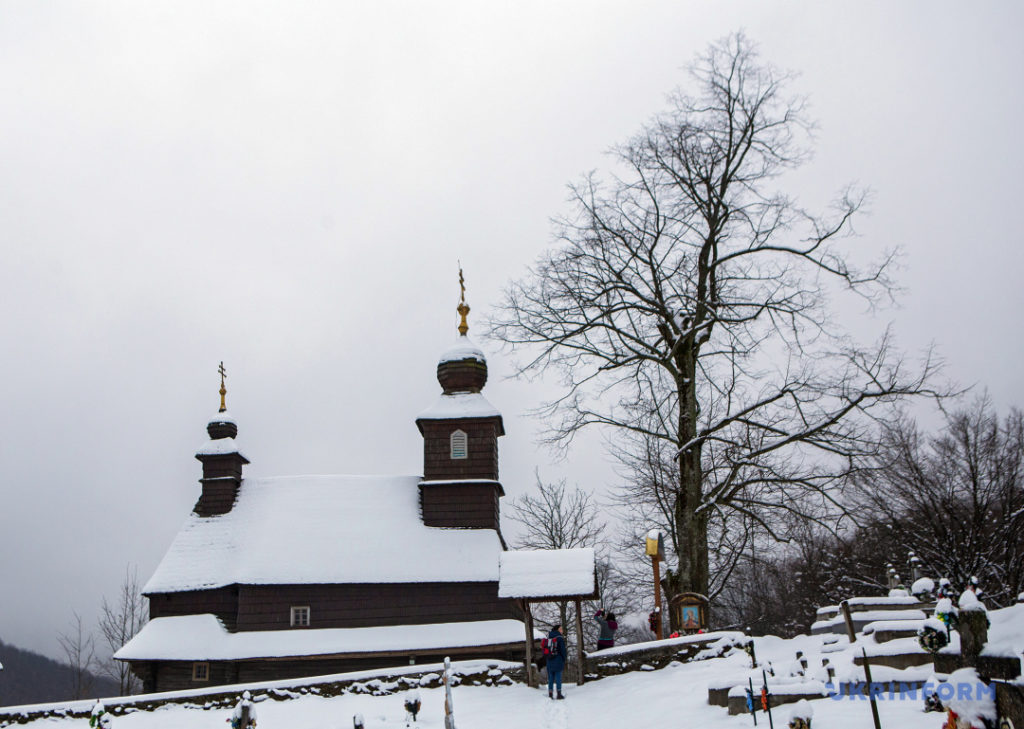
x=675, y=696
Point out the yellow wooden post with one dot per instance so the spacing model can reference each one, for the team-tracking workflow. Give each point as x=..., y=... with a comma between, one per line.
x=656, y=551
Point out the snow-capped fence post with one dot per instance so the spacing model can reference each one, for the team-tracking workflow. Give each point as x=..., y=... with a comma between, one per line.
x=244, y=715
x=357, y=722
x=749, y=648
x=449, y=709
x=915, y=567
x=973, y=626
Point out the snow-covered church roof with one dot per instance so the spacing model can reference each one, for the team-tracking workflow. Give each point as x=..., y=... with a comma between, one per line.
x=547, y=573
x=204, y=638
x=323, y=530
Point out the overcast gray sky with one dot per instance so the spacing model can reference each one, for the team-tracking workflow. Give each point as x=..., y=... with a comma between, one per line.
x=287, y=187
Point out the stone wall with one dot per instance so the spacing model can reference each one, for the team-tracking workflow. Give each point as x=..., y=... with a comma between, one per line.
x=658, y=654
x=383, y=683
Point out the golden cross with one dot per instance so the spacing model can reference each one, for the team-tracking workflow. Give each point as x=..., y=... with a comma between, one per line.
x=223, y=391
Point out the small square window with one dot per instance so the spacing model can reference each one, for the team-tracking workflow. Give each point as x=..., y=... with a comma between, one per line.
x=201, y=671
x=300, y=616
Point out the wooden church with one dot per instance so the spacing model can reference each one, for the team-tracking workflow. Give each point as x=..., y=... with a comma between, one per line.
x=299, y=576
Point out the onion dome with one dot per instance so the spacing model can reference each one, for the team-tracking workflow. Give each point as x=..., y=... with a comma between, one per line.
x=222, y=425
x=462, y=367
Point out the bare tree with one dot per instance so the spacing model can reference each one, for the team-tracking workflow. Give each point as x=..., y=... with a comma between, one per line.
x=559, y=518
x=80, y=652
x=119, y=622
x=956, y=500
x=956, y=497
x=555, y=518
x=685, y=307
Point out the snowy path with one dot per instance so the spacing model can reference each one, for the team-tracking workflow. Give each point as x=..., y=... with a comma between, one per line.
x=556, y=714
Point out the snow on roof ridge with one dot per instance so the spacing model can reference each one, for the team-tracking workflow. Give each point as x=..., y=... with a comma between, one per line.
x=459, y=405
x=219, y=447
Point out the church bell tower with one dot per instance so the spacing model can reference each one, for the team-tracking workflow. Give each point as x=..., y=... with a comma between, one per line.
x=460, y=486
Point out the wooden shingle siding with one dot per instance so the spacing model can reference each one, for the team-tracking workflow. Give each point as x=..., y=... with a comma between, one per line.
x=468, y=375
x=177, y=676
x=482, y=449
x=467, y=505
x=221, y=601
x=267, y=607
x=229, y=464
x=218, y=496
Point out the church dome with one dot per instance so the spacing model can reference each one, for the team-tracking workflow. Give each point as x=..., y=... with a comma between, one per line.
x=462, y=367
x=222, y=425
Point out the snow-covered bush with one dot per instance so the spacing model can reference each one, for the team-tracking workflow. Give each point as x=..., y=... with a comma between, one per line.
x=801, y=715
x=923, y=588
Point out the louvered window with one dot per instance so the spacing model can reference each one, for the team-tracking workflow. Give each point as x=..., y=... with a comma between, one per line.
x=459, y=444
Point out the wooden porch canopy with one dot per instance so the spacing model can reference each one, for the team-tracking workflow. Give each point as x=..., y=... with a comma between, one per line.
x=549, y=575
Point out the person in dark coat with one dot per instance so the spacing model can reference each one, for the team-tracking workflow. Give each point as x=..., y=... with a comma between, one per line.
x=556, y=661
x=606, y=639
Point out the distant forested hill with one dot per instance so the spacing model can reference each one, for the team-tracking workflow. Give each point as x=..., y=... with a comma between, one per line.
x=30, y=678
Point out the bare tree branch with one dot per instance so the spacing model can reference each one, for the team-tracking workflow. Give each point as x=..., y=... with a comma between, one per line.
x=685, y=309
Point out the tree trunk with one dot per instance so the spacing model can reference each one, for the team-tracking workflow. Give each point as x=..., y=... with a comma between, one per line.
x=691, y=574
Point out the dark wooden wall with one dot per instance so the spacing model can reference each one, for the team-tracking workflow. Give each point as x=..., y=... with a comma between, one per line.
x=177, y=675
x=482, y=449
x=221, y=601
x=267, y=607
x=468, y=505
x=467, y=375
x=217, y=497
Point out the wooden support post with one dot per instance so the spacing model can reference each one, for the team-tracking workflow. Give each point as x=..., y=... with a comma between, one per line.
x=579, y=643
x=845, y=607
x=871, y=694
x=531, y=676
x=657, y=595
